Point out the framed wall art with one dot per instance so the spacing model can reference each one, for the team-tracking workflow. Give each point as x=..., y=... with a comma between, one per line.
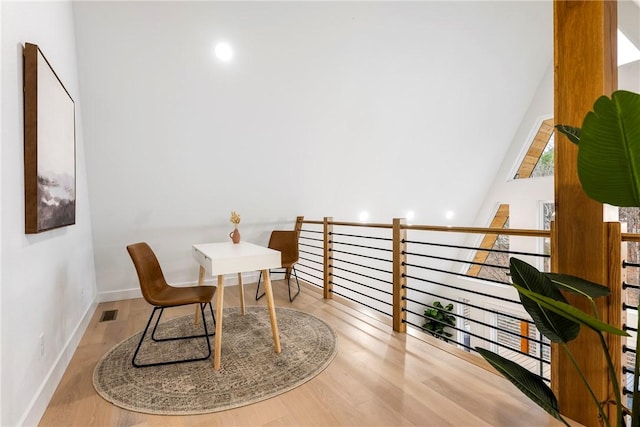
x=49, y=146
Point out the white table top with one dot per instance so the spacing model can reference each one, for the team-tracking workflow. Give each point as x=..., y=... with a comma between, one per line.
x=229, y=257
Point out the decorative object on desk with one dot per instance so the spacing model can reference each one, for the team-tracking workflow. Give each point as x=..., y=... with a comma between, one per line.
x=251, y=371
x=235, y=234
x=49, y=146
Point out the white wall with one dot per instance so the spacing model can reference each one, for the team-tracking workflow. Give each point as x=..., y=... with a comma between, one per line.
x=48, y=280
x=1, y=209
x=629, y=77
x=328, y=108
x=522, y=195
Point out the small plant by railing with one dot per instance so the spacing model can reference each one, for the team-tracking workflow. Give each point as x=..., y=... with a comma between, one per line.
x=438, y=319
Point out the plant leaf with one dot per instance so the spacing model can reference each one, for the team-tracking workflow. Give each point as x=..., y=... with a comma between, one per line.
x=578, y=285
x=550, y=324
x=530, y=384
x=609, y=150
x=570, y=312
x=570, y=132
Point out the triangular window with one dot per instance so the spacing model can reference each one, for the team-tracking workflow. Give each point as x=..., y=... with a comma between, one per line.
x=539, y=158
x=486, y=262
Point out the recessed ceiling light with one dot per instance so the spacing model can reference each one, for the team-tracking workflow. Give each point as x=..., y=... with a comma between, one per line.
x=223, y=52
x=364, y=216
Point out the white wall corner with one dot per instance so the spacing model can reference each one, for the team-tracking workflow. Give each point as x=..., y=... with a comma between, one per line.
x=43, y=396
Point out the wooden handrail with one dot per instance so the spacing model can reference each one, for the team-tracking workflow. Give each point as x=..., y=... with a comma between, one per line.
x=442, y=228
x=630, y=237
x=481, y=230
x=361, y=224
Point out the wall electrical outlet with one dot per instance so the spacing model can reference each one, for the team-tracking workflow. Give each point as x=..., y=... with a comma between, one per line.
x=41, y=344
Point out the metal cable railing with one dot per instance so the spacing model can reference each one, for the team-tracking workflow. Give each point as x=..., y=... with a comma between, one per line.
x=362, y=270
x=630, y=289
x=487, y=313
x=409, y=272
x=481, y=317
x=310, y=267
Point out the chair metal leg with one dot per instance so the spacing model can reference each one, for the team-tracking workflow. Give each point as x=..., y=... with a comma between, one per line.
x=287, y=277
x=289, y=284
x=153, y=333
x=206, y=335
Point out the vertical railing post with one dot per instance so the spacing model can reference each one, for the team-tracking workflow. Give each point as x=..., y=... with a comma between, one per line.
x=399, y=275
x=298, y=226
x=328, y=254
x=616, y=297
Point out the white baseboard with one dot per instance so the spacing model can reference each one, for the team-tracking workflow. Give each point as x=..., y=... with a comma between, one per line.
x=119, y=295
x=41, y=400
x=122, y=294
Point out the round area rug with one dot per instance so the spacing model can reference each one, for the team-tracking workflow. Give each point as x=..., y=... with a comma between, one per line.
x=250, y=369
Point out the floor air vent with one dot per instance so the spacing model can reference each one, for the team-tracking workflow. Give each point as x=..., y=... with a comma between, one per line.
x=108, y=315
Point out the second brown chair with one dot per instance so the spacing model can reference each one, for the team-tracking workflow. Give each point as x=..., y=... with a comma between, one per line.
x=161, y=295
x=285, y=241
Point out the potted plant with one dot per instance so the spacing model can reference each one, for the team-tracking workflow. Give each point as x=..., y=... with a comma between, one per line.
x=437, y=319
x=609, y=171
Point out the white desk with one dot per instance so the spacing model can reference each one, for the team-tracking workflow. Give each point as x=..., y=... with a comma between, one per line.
x=225, y=258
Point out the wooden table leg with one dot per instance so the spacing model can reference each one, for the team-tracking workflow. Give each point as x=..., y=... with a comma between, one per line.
x=241, y=293
x=272, y=310
x=201, y=274
x=218, y=337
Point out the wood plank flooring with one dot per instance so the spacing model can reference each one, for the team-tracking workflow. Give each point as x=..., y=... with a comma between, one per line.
x=378, y=378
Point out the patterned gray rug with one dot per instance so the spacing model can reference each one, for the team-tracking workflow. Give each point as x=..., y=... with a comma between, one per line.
x=250, y=371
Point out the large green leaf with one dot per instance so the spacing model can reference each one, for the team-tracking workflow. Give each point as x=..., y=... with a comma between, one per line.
x=609, y=150
x=530, y=384
x=578, y=285
x=550, y=324
x=570, y=312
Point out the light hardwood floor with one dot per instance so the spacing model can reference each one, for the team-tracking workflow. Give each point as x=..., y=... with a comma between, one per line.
x=378, y=378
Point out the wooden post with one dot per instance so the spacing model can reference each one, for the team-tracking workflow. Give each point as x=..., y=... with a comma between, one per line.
x=328, y=254
x=399, y=279
x=524, y=331
x=298, y=226
x=585, y=68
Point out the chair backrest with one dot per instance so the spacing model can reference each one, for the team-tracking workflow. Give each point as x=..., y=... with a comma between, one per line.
x=285, y=241
x=150, y=276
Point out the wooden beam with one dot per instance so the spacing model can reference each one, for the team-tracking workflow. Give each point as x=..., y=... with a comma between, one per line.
x=585, y=68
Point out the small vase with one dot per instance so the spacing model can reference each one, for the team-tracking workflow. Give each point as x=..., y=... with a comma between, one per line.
x=235, y=235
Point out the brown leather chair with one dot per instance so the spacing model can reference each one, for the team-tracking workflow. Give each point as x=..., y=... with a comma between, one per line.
x=285, y=241
x=161, y=295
